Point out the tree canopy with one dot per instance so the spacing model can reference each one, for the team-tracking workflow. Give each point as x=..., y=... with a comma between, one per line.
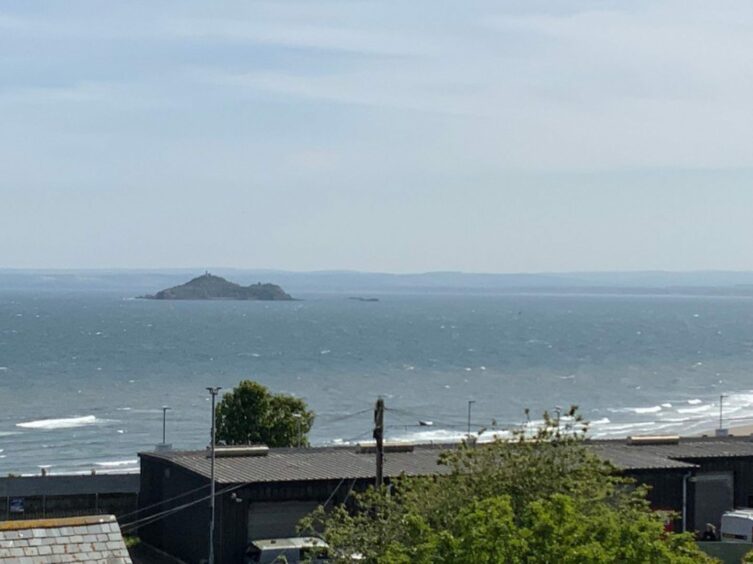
x=251, y=414
x=540, y=499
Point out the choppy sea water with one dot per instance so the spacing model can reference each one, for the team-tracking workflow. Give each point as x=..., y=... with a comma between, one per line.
x=83, y=376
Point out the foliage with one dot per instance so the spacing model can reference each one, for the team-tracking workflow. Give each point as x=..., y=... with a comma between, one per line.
x=536, y=499
x=251, y=414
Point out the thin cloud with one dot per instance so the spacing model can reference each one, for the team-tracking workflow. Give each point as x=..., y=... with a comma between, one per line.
x=330, y=38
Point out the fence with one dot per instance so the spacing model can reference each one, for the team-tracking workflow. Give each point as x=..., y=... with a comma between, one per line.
x=33, y=497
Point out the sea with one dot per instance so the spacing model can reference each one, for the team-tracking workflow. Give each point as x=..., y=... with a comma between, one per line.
x=84, y=375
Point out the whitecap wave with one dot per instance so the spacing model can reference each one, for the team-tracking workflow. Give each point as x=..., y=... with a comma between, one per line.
x=698, y=409
x=652, y=409
x=620, y=427
x=117, y=463
x=694, y=401
x=66, y=423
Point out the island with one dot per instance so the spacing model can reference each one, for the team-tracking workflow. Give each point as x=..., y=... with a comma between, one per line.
x=210, y=287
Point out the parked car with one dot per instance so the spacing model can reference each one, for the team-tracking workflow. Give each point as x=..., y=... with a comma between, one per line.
x=288, y=550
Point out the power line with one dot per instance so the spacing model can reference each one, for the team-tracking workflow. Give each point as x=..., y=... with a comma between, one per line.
x=157, y=516
x=333, y=493
x=150, y=519
x=338, y=418
x=357, y=437
x=184, y=494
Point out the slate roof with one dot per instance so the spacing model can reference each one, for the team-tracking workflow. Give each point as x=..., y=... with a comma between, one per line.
x=335, y=463
x=75, y=539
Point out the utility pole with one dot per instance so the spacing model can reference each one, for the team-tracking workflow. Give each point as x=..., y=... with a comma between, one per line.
x=214, y=392
x=721, y=404
x=379, y=437
x=558, y=410
x=164, y=421
x=470, y=403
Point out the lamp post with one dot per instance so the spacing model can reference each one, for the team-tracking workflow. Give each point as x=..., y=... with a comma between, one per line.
x=558, y=411
x=721, y=432
x=299, y=417
x=214, y=392
x=470, y=404
x=164, y=421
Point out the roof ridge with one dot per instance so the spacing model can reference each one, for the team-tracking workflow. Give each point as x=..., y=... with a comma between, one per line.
x=52, y=523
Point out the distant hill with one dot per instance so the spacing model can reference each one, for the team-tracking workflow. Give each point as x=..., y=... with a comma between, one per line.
x=210, y=287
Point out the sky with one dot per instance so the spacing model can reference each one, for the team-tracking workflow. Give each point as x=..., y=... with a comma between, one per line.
x=504, y=136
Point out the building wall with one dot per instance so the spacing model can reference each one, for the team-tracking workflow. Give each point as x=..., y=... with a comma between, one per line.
x=666, y=485
x=742, y=470
x=665, y=490
x=232, y=523
x=743, y=475
x=185, y=533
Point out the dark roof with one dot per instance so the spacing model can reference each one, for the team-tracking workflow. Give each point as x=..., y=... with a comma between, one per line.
x=307, y=464
x=345, y=462
x=685, y=453
x=632, y=457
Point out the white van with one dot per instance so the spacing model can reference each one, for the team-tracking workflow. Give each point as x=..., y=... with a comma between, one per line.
x=737, y=526
x=289, y=550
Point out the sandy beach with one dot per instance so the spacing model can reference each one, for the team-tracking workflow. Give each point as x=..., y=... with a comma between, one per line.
x=736, y=431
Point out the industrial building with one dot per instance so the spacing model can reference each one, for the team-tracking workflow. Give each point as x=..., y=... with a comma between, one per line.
x=263, y=493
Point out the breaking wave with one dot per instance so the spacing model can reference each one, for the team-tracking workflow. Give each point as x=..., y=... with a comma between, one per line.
x=66, y=423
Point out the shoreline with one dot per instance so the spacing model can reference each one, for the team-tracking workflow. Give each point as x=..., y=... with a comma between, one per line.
x=733, y=430
x=745, y=430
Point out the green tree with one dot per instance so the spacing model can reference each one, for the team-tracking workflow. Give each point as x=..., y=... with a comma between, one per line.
x=537, y=499
x=251, y=414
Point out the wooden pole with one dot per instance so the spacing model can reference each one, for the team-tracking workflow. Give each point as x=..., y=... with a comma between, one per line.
x=379, y=437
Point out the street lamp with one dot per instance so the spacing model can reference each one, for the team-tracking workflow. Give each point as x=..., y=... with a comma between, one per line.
x=721, y=432
x=164, y=420
x=470, y=403
x=214, y=392
x=299, y=417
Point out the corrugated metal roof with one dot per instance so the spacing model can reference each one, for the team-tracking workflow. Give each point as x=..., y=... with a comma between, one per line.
x=688, y=450
x=627, y=457
x=335, y=463
x=307, y=464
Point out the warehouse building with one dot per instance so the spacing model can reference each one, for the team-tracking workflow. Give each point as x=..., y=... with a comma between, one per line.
x=263, y=493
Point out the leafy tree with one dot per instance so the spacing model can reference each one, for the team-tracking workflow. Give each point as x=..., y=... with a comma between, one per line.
x=544, y=498
x=251, y=414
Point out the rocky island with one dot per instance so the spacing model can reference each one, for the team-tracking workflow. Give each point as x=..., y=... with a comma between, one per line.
x=210, y=287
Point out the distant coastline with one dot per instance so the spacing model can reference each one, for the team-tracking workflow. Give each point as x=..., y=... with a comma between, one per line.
x=350, y=283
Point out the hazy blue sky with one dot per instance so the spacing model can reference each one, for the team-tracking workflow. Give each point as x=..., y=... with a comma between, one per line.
x=393, y=136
